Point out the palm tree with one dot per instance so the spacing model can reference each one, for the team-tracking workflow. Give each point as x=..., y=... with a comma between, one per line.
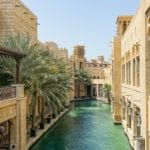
x=82, y=76
x=30, y=69
x=54, y=89
x=44, y=76
x=32, y=94
x=107, y=90
x=87, y=82
x=52, y=92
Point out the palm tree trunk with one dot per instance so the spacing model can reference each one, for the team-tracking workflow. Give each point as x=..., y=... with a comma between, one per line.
x=109, y=101
x=85, y=90
x=78, y=89
x=42, y=115
x=54, y=112
x=33, y=129
x=33, y=118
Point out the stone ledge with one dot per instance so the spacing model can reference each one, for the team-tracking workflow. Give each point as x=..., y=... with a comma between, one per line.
x=7, y=102
x=40, y=133
x=102, y=99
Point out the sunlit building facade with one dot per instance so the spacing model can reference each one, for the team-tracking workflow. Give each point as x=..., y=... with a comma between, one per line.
x=131, y=76
x=16, y=18
x=99, y=70
x=100, y=74
x=61, y=53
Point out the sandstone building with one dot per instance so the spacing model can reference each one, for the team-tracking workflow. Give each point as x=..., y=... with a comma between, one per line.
x=12, y=109
x=100, y=73
x=98, y=70
x=15, y=18
x=58, y=52
x=77, y=62
x=131, y=76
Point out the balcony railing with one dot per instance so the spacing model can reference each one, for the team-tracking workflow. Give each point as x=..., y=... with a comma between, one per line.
x=7, y=93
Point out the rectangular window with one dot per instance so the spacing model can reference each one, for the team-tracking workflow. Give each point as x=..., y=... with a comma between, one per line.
x=134, y=70
x=129, y=72
x=138, y=71
x=126, y=73
x=123, y=73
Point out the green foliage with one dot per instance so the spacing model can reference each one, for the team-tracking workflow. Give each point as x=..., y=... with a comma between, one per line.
x=6, y=79
x=43, y=74
x=83, y=76
x=107, y=88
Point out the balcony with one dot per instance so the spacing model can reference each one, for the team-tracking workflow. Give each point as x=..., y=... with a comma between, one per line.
x=7, y=93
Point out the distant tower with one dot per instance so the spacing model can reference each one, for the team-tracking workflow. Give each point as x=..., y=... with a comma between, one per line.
x=122, y=24
x=78, y=59
x=79, y=51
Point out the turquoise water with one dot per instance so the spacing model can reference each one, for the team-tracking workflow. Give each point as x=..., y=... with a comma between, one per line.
x=88, y=126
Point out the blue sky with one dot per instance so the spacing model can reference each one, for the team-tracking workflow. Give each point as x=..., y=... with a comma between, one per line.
x=85, y=22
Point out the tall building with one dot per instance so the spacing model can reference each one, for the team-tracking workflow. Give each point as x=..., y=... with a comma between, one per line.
x=16, y=18
x=131, y=76
x=77, y=62
x=100, y=73
x=122, y=25
x=98, y=69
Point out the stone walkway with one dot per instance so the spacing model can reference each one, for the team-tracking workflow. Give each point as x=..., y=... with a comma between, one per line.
x=40, y=133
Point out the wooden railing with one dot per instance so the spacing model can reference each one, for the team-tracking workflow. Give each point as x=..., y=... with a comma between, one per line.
x=7, y=93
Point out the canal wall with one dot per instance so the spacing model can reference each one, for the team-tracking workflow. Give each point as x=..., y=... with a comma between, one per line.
x=40, y=133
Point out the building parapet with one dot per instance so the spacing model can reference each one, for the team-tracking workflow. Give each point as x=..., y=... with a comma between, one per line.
x=7, y=93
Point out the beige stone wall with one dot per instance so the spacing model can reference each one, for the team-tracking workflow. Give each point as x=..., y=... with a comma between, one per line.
x=135, y=85
x=13, y=110
x=25, y=20
x=20, y=118
x=7, y=19
x=116, y=80
x=61, y=53
x=15, y=18
x=77, y=61
x=100, y=72
x=7, y=108
x=133, y=45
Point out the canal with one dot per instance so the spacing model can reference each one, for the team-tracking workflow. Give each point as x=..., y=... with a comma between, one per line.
x=88, y=126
